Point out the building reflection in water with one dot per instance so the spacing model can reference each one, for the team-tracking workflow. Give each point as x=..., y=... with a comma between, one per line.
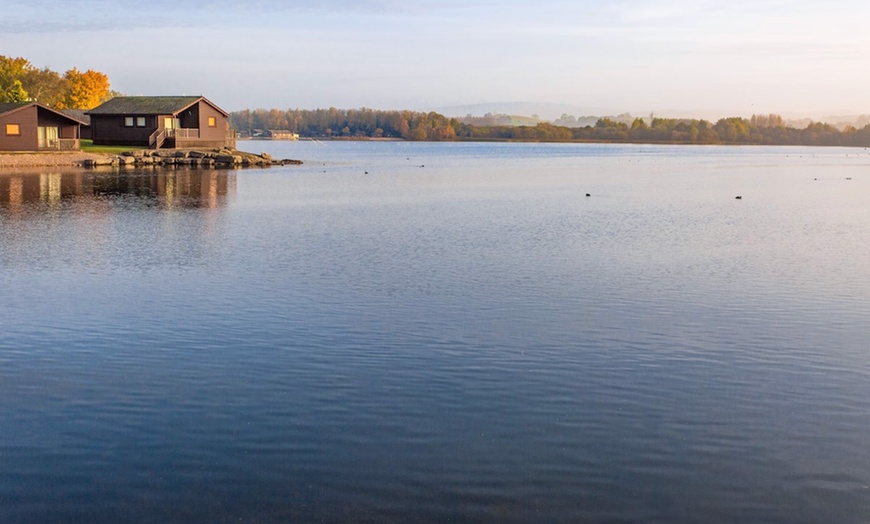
x=176, y=188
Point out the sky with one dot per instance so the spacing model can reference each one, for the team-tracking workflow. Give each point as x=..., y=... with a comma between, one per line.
x=723, y=57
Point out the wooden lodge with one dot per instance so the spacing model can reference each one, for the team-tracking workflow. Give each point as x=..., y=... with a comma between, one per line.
x=160, y=122
x=29, y=126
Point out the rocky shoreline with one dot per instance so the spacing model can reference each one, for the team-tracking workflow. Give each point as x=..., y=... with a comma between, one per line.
x=189, y=157
x=223, y=158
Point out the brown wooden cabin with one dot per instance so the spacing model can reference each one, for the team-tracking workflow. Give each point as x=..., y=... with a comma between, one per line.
x=161, y=122
x=29, y=126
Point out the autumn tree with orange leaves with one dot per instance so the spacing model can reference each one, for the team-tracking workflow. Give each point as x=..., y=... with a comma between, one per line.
x=21, y=81
x=85, y=90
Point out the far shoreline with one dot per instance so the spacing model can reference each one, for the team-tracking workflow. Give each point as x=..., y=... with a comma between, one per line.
x=539, y=141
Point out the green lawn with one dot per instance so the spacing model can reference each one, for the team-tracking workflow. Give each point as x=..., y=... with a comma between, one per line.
x=89, y=147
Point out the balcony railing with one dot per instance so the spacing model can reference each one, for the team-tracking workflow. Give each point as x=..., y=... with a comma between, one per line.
x=180, y=132
x=156, y=139
x=184, y=137
x=60, y=144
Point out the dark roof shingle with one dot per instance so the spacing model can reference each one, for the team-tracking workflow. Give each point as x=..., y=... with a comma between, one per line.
x=144, y=105
x=10, y=106
x=77, y=114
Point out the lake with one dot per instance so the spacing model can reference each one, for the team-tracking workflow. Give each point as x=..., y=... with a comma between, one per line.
x=424, y=332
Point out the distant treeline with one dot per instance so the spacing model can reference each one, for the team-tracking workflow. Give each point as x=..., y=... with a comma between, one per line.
x=349, y=123
x=410, y=125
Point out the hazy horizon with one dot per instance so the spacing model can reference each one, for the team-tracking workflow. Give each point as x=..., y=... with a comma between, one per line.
x=553, y=111
x=704, y=58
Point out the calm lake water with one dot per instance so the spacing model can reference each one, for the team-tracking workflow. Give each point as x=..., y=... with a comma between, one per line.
x=399, y=332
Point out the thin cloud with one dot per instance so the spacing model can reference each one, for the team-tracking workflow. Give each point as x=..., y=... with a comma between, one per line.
x=315, y=53
x=43, y=16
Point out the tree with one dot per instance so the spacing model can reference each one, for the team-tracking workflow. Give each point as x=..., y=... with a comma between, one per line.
x=20, y=81
x=771, y=120
x=733, y=129
x=12, y=70
x=420, y=132
x=14, y=93
x=45, y=86
x=86, y=90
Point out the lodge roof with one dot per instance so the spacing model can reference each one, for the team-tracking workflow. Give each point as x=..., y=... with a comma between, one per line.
x=77, y=115
x=11, y=106
x=148, y=105
x=8, y=107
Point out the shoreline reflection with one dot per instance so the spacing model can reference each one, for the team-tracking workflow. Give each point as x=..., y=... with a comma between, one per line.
x=176, y=188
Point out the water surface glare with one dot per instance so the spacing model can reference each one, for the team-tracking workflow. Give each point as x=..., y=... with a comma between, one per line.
x=403, y=332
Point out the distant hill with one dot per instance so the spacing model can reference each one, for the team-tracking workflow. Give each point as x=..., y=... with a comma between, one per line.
x=536, y=110
x=568, y=115
x=838, y=121
x=571, y=115
x=497, y=119
x=565, y=120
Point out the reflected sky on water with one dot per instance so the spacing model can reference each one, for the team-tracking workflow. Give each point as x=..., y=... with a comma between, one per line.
x=399, y=332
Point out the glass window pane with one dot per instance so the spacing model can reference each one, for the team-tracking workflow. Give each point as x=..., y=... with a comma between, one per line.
x=140, y=121
x=13, y=130
x=128, y=121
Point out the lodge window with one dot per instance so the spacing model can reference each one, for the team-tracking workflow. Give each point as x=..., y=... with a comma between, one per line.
x=212, y=121
x=128, y=121
x=140, y=121
x=13, y=129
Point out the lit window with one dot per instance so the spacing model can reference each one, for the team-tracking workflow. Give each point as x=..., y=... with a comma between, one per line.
x=212, y=121
x=140, y=121
x=128, y=121
x=13, y=130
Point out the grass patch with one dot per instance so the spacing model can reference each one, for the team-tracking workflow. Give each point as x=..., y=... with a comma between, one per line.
x=89, y=147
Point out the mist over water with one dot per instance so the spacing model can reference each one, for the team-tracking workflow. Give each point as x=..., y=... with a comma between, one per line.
x=433, y=332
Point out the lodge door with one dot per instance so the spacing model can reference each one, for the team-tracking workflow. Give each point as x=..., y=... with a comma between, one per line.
x=170, y=125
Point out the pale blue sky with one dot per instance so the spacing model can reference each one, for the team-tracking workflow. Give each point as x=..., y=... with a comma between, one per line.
x=735, y=57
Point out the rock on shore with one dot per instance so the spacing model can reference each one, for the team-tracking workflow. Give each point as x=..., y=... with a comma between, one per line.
x=160, y=157
x=188, y=157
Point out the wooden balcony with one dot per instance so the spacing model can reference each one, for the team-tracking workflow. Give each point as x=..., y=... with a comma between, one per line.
x=60, y=144
x=184, y=137
x=183, y=133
